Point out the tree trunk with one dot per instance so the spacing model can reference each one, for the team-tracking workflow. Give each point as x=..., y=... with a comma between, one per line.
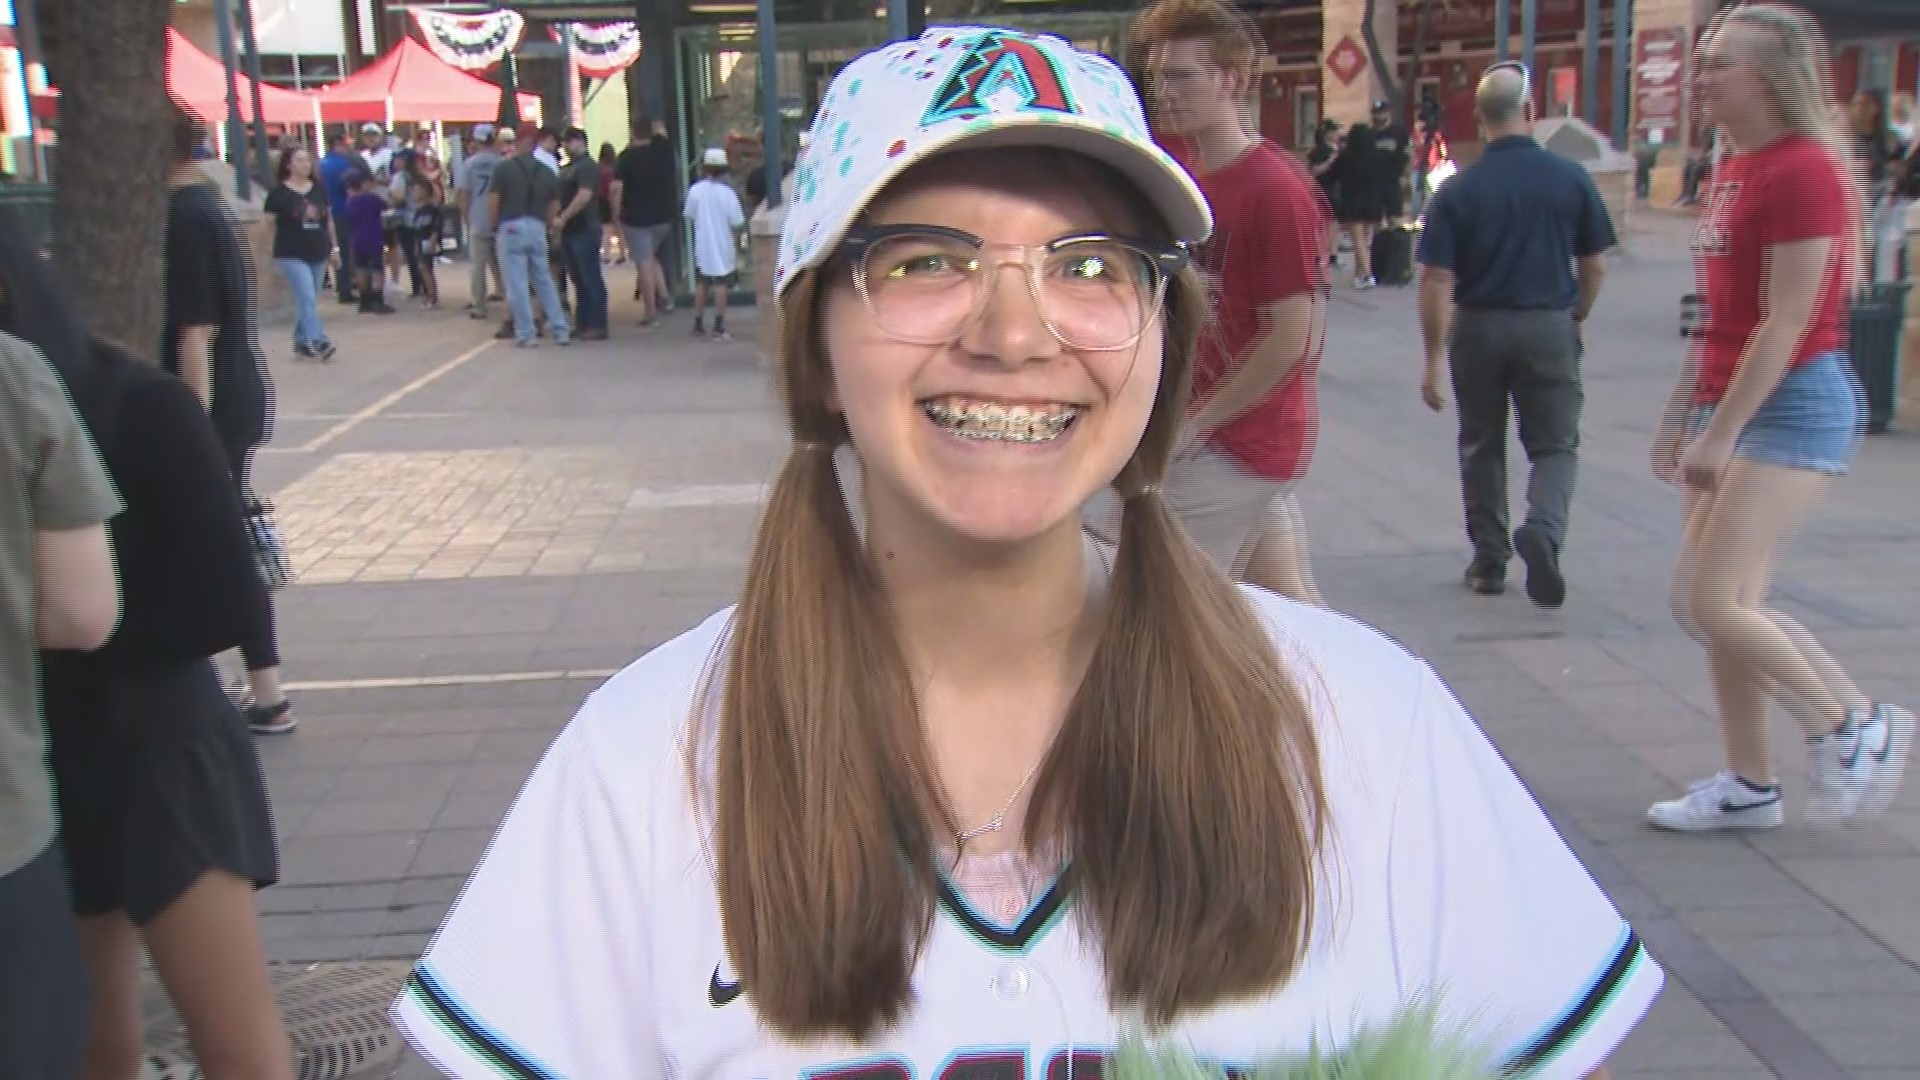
x=1423, y=22
x=1383, y=66
x=109, y=208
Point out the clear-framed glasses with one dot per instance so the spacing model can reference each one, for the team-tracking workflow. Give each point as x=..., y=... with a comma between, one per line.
x=928, y=284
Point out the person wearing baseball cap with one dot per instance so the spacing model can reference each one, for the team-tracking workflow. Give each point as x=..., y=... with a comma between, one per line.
x=471, y=183
x=715, y=217
x=580, y=236
x=949, y=790
x=1396, y=152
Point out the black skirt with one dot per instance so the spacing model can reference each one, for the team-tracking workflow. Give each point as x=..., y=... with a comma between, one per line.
x=159, y=782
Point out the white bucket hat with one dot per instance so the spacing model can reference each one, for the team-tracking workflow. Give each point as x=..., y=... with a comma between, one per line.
x=715, y=158
x=977, y=86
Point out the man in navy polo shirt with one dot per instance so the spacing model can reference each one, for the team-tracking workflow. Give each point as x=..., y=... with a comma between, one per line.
x=1512, y=261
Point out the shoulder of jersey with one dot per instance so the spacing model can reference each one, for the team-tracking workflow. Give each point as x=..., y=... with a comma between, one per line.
x=635, y=721
x=1364, y=687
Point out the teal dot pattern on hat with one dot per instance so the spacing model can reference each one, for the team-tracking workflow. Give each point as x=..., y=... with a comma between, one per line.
x=886, y=106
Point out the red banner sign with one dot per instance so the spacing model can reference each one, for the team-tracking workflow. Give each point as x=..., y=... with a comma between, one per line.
x=1660, y=80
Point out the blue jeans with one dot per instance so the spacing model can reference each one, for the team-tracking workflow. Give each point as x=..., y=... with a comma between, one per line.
x=522, y=246
x=304, y=279
x=589, y=280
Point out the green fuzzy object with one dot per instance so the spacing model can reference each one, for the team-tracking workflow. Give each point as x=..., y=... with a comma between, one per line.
x=1410, y=1048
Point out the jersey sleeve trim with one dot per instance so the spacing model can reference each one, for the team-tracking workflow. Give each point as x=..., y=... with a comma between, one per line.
x=427, y=999
x=1614, y=1001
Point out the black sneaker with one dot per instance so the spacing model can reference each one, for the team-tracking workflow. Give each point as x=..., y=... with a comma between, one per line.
x=1546, y=586
x=1487, y=579
x=272, y=719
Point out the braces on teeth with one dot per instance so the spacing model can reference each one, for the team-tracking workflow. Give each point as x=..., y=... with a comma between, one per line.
x=1001, y=422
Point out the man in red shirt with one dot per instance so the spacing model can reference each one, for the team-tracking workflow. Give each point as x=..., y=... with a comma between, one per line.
x=1254, y=418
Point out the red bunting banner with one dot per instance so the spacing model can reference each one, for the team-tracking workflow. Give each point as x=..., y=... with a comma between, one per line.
x=603, y=50
x=470, y=42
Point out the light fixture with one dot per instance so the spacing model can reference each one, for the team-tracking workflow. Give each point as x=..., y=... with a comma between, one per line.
x=722, y=7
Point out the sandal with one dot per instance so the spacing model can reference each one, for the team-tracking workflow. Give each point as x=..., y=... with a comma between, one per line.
x=275, y=719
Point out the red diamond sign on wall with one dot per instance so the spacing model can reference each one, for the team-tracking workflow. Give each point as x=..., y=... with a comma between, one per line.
x=1346, y=60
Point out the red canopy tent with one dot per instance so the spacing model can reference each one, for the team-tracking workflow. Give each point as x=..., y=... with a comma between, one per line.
x=410, y=83
x=199, y=83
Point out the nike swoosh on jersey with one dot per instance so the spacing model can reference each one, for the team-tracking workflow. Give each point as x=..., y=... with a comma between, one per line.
x=720, y=993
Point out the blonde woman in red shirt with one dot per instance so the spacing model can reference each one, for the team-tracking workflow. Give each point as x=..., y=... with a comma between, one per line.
x=1767, y=413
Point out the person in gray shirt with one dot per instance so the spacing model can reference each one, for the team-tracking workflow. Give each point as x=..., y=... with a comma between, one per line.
x=525, y=198
x=471, y=189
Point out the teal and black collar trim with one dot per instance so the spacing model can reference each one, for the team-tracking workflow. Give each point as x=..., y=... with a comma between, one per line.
x=1630, y=955
x=1016, y=938
x=454, y=1019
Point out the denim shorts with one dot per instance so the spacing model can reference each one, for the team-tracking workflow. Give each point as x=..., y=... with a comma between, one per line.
x=1813, y=420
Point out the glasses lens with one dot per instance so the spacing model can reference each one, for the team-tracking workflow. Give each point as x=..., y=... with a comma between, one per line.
x=921, y=288
x=1099, y=294
x=1093, y=294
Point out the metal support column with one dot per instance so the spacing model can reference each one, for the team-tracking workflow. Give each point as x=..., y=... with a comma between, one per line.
x=1502, y=29
x=896, y=20
x=770, y=101
x=657, y=88
x=1622, y=49
x=1590, y=66
x=236, y=148
x=33, y=77
x=250, y=46
x=1529, y=34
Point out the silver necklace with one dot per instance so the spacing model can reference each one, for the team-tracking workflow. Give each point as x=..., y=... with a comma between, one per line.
x=999, y=820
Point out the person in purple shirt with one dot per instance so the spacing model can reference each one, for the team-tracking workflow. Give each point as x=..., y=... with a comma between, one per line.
x=367, y=241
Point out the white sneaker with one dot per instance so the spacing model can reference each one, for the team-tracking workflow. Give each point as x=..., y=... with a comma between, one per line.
x=1721, y=801
x=1857, y=770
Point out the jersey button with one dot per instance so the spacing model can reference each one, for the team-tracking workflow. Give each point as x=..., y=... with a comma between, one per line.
x=1010, y=982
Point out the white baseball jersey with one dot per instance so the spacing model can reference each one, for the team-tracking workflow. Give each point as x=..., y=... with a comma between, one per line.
x=588, y=943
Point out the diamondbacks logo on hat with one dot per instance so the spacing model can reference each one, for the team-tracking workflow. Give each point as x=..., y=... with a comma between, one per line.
x=1003, y=71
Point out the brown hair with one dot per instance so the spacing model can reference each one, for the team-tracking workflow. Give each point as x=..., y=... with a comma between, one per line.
x=283, y=161
x=1183, y=784
x=1231, y=38
x=186, y=134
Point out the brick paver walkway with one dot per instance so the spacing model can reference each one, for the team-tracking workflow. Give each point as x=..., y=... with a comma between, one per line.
x=483, y=532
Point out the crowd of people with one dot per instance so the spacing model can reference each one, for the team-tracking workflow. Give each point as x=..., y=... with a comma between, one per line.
x=1029, y=654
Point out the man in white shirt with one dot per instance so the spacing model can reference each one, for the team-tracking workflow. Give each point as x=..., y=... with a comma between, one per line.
x=713, y=209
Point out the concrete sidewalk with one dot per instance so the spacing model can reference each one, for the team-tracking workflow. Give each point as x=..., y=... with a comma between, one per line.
x=484, y=532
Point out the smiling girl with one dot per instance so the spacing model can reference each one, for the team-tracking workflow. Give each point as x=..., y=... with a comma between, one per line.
x=948, y=795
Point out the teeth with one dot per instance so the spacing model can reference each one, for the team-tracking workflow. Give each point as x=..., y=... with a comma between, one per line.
x=1002, y=423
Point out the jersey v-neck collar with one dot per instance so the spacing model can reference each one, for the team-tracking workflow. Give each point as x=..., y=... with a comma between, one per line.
x=1041, y=915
